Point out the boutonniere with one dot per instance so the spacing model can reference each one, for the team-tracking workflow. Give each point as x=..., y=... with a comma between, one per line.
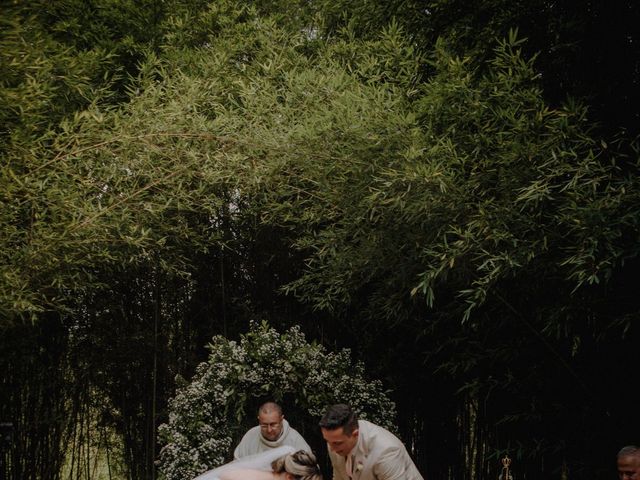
x=359, y=466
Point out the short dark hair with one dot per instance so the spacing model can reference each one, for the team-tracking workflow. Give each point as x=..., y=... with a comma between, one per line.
x=340, y=415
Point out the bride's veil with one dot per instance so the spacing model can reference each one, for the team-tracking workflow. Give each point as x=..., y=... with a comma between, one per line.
x=259, y=461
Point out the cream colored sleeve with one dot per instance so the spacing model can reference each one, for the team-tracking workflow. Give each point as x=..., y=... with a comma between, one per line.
x=395, y=464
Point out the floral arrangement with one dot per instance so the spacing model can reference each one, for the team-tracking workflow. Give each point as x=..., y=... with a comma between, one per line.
x=205, y=413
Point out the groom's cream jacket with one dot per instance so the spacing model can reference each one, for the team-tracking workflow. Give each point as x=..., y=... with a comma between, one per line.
x=378, y=455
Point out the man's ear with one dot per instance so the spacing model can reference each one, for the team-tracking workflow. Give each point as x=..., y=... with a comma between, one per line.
x=356, y=432
x=289, y=476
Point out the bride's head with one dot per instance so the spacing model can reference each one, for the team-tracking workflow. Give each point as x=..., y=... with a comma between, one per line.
x=300, y=465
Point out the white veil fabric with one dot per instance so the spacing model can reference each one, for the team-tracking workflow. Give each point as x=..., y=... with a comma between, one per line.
x=259, y=461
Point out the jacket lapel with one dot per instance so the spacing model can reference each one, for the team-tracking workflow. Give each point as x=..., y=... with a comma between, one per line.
x=360, y=469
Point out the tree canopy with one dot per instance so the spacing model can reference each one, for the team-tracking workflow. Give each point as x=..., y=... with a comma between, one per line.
x=436, y=186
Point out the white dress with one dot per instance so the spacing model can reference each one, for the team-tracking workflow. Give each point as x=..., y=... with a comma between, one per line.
x=259, y=461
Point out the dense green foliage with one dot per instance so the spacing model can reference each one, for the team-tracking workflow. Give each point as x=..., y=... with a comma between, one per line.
x=414, y=181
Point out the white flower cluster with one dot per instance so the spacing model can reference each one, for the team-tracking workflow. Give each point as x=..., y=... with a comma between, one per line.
x=203, y=414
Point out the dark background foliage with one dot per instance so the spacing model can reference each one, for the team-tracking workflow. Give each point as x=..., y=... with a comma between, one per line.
x=102, y=307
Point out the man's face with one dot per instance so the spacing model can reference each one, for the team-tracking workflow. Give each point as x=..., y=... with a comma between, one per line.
x=339, y=442
x=270, y=425
x=629, y=467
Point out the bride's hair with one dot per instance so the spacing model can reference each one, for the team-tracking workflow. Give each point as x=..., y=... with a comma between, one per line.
x=301, y=464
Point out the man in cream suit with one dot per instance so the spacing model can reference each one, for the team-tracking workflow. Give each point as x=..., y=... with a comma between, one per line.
x=360, y=450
